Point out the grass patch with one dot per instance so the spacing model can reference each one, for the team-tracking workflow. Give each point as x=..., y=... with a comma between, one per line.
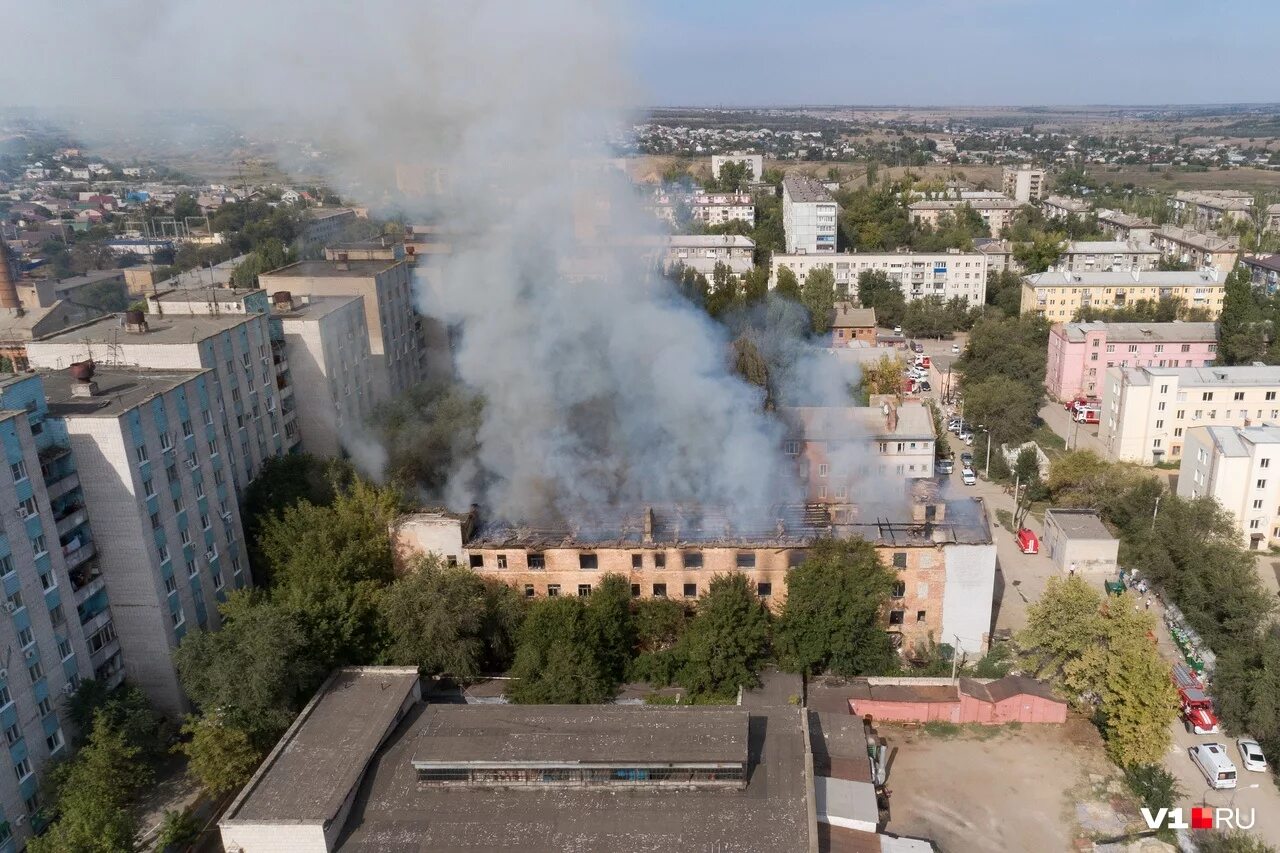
x=968, y=731
x=1167, y=466
x=1005, y=519
x=1050, y=442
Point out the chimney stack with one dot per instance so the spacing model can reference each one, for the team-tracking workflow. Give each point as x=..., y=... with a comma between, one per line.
x=135, y=322
x=82, y=373
x=282, y=300
x=9, y=300
x=648, y=525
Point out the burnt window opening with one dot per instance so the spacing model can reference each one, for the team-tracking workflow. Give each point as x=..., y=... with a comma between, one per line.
x=528, y=590
x=537, y=561
x=691, y=590
x=764, y=590
x=899, y=590
x=746, y=559
x=635, y=590
x=588, y=561
x=659, y=560
x=659, y=590
x=693, y=559
x=920, y=615
x=900, y=559
x=896, y=617
x=637, y=561
x=502, y=561
x=477, y=561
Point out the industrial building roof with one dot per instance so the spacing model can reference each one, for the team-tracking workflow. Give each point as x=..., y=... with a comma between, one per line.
x=119, y=390
x=109, y=331
x=1125, y=333
x=518, y=735
x=804, y=189
x=1079, y=523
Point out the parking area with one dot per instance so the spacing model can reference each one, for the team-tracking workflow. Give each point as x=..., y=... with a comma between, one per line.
x=1031, y=787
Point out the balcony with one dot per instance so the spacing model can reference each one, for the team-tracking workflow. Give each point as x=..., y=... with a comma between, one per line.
x=71, y=518
x=86, y=579
x=61, y=484
x=52, y=453
x=79, y=555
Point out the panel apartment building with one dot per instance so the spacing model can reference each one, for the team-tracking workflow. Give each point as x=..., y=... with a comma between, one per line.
x=1207, y=209
x=1108, y=256
x=808, y=216
x=1237, y=466
x=1023, y=183
x=753, y=162
x=1146, y=411
x=949, y=274
x=997, y=213
x=1080, y=353
x=1060, y=295
x=1198, y=250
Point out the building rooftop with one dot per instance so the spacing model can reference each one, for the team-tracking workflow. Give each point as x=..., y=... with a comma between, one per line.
x=1221, y=199
x=1132, y=333
x=1000, y=203
x=204, y=276
x=313, y=307
x=323, y=755
x=567, y=734
x=992, y=246
x=1124, y=220
x=1079, y=523
x=1074, y=205
x=710, y=241
x=208, y=294
x=804, y=189
x=861, y=423
x=91, y=277
x=1205, y=242
x=1266, y=262
x=109, y=331
x=845, y=316
x=1102, y=278
x=1236, y=441
x=1107, y=247
x=1247, y=375
x=34, y=322
x=119, y=390
x=333, y=269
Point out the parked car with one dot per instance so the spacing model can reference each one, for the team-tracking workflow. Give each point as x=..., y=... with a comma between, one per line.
x=897, y=330
x=966, y=437
x=966, y=459
x=1212, y=762
x=968, y=477
x=925, y=386
x=1251, y=755
x=944, y=466
x=916, y=346
x=955, y=349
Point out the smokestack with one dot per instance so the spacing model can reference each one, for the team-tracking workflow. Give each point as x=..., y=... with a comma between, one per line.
x=648, y=525
x=9, y=300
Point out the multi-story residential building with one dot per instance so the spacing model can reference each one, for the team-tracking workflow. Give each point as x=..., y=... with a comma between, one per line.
x=941, y=552
x=997, y=213
x=56, y=628
x=999, y=254
x=378, y=249
x=214, y=301
x=1212, y=208
x=1146, y=410
x=1198, y=250
x=1024, y=183
x=155, y=473
x=1271, y=219
x=1238, y=466
x=753, y=162
x=326, y=353
x=325, y=225
x=1059, y=296
x=1123, y=226
x=1108, y=256
x=949, y=274
x=1080, y=353
x=252, y=388
x=1061, y=206
x=703, y=251
x=852, y=326
x=720, y=208
x=396, y=335
x=1264, y=272
x=808, y=216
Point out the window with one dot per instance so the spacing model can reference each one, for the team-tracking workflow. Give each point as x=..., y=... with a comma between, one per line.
x=56, y=615
x=1111, y=347
x=163, y=550
x=19, y=471
x=528, y=590
x=900, y=559
x=141, y=454
x=659, y=559
x=537, y=561
x=217, y=580
x=1133, y=347
x=896, y=617
x=187, y=431
x=588, y=561
x=13, y=734
x=47, y=581
x=35, y=672
x=692, y=559
x=38, y=545
x=1265, y=463
x=45, y=707
x=99, y=640
x=1257, y=504
x=25, y=637
x=177, y=617
x=822, y=470
x=1207, y=396
x=1187, y=347
x=6, y=565
x=22, y=769
x=27, y=507
x=185, y=536
x=1239, y=395
x=746, y=559
x=54, y=741
x=1262, y=484
x=1159, y=424
x=1271, y=395
x=16, y=599
x=205, y=522
x=764, y=589
x=166, y=441
x=637, y=561
x=192, y=570
x=1164, y=389
x=691, y=590
x=659, y=590
x=899, y=589
x=199, y=486
x=584, y=589
x=171, y=473
x=791, y=448
x=553, y=589
x=207, y=417
x=920, y=615
x=213, y=447
x=5, y=698
x=170, y=585
x=502, y=561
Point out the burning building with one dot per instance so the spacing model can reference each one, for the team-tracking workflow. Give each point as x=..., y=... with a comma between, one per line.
x=942, y=552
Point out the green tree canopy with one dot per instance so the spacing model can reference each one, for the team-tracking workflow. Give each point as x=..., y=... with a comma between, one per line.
x=788, y=285
x=725, y=645
x=819, y=296
x=556, y=659
x=876, y=290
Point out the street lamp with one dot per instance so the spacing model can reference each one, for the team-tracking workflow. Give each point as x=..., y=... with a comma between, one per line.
x=987, y=473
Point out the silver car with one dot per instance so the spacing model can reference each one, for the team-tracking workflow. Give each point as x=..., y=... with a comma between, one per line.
x=1251, y=755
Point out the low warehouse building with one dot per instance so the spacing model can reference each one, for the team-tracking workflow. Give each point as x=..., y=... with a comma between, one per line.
x=1012, y=699
x=1077, y=541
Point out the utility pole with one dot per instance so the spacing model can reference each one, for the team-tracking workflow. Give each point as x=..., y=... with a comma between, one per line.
x=1154, y=513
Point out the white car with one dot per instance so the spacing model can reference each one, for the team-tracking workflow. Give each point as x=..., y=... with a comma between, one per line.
x=1251, y=755
x=897, y=330
x=967, y=438
x=955, y=349
x=968, y=477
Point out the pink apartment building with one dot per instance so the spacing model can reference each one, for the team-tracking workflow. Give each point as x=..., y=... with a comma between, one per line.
x=1080, y=353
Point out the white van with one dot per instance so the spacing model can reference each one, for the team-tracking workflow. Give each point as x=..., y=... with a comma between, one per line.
x=1213, y=762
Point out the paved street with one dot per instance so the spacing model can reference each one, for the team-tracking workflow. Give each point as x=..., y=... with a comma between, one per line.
x=1077, y=436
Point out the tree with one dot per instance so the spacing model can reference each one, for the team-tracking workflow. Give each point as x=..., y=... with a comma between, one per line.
x=788, y=285
x=727, y=641
x=1041, y=252
x=1004, y=291
x=611, y=625
x=1003, y=407
x=732, y=177
x=832, y=619
x=1062, y=625
x=750, y=365
x=876, y=290
x=1242, y=332
x=819, y=296
x=883, y=376
x=755, y=286
x=221, y=756
x=184, y=205
x=1027, y=467
x=556, y=661
x=283, y=482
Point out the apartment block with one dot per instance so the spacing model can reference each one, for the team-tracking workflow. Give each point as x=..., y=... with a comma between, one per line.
x=396, y=336
x=1146, y=411
x=325, y=225
x=252, y=390
x=1212, y=208
x=326, y=353
x=702, y=252
x=156, y=475
x=753, y=162
x=808, y=216
x=1108, y=256
x=1271, y=219
x=949, y=274
x=1123, y=226
x=56, y=626
x=721, y=208
x=1059, y=296
x=1240, y=468
x=1024, y=183
x=999, y=254
x=1061, y=206
x=1198, y=250
x=997, y=212
x=1264, y=272
x=215, y=301
x=1080, y=353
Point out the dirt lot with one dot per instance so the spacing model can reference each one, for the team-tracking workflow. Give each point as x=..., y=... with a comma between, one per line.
x=1168, y=181
x=1005, y=788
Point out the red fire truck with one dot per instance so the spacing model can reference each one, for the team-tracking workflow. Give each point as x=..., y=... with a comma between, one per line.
x=1197, y=707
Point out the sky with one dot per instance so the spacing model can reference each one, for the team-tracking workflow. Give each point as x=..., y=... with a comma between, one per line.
x=957, y=52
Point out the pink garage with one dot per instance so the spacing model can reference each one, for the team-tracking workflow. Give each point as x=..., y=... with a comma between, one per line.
x=1012, y=699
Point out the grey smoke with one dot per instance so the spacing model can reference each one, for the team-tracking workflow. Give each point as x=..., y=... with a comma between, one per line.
x=603, y=387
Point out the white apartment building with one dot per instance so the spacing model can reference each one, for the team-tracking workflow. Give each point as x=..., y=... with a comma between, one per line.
x=720, y=208
x=1108, y=256
x=997, y=212
x=156, y=477
x=703, y=251
x=1023, y=183
x=1060, y=207
x=1146, y=411
x=1240, y=468
x=396, y=333
x=754, y=164
x=327, y=355
x=808, y=216
x=949, y=274
x=251, y=385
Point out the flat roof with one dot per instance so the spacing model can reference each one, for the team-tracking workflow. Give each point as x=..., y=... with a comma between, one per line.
x=521, y=735
x=91, y=277
x=975, y=203
x=805, y=190
x=206, y=293
x=1152, y=278
x=1079, y=523
x=1246, y=375
x=1124, y=333
x=1235, y=441
x=333, y=269
x=711, y=241
x=323, y=756
x=315, y=308
x=161, y=329
x=119, y=390
x=1109, y=246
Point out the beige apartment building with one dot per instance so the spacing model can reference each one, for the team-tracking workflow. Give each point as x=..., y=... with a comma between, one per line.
x=1060, y=295
x=947, y=274
x=1146, y=411
x=1123, y=226
x=1271, y=219
x=1061, y=206
x=1240, y=468
x=1108, y=256
x=1212, y=208
x=997, y=213
x=1198, y=250
x=1023, y=183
